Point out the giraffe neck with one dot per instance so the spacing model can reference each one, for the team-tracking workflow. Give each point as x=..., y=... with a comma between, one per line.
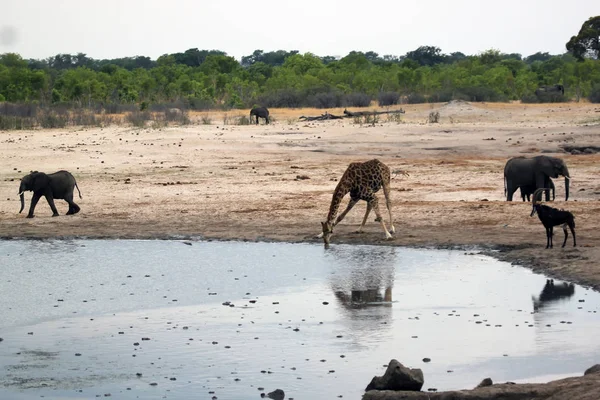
x=338, y=195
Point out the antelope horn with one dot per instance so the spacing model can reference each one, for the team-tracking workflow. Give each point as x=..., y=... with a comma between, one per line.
x=536, y=193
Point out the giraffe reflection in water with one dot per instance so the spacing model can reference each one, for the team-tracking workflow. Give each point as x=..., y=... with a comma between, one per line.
x=363, y=276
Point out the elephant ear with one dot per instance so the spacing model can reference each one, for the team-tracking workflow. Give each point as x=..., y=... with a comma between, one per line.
x=551, y=167
x=40, y=182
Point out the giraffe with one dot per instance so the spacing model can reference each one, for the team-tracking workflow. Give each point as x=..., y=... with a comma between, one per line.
x=362, y=180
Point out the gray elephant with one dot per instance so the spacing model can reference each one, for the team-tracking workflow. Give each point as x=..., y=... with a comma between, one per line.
x=58, y=185
x=533, y=172
x=550, y=89
x=527, y=191
x=261, y=112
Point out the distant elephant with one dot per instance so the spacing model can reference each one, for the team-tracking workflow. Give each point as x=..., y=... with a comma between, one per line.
x=533, y=172
x=58, y=185
x=527, y=191
x=551, y=89
x=261, y=112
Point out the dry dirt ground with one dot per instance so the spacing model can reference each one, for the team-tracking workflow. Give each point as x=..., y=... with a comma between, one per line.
x=275, y=182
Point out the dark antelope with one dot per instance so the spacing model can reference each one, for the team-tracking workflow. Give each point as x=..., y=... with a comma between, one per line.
x=552, y=217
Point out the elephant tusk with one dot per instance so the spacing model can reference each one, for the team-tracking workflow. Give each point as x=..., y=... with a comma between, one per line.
x=568, y=177
x=20, y=194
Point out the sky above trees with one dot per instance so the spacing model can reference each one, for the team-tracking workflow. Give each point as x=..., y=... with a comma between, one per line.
x=111, y=28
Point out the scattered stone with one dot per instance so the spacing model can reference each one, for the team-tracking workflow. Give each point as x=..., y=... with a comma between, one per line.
x=592, y=370
x=398, y=377
x=426, y=360
x=276, y=394
x=485, y=383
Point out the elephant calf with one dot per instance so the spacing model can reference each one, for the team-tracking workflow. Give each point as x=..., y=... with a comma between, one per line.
x=58, y=185
x=261, y=112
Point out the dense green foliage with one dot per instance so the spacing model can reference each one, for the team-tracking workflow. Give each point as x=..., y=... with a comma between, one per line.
x=587, y=41
x=202, y=79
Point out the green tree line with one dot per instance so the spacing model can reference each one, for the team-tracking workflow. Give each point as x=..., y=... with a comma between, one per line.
x=203, y=79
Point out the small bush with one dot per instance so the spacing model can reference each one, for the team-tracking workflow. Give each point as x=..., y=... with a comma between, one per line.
x=105, y=120
x=371, y=119
x=481, y=93
x=116, y=108
x=434, y=117
x=200, y=103
x=206, y=120
x=388, y=98
x=415, y=98
x=176, y=115
x=16, y=123
x=326, y=100
x=444, y=96
x=243, y=120
x=529, y=99
x=50, y=119
x=84, y=118
x=357, y=100
x=396, y=117
x=594, y=96
x=138, y=118
x=285, y=98
x=24, y=110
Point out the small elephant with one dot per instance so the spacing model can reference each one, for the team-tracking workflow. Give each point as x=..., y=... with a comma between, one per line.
x=533, y=172
x=261, y=112
x=527, y=191
x=58, y=185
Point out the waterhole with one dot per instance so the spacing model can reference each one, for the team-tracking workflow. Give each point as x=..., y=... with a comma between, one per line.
x=232, y=320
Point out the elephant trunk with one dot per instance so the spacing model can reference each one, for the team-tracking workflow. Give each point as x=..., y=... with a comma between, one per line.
x=567, y=179
x=22, y=196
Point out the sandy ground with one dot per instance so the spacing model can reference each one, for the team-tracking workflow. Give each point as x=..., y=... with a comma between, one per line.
x=241, y=182
x=246, y=182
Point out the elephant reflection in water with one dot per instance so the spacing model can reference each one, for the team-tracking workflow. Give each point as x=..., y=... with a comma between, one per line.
x=367, y=297
x=363, y=275
x=553, y=292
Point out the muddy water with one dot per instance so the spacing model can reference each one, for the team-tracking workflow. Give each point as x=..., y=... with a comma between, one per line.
x=169, y=319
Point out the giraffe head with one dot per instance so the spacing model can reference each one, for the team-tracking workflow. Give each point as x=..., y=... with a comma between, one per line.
x=327, y=231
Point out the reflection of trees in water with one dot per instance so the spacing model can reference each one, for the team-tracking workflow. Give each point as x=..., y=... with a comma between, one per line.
x=362, y=276
x=552, y=292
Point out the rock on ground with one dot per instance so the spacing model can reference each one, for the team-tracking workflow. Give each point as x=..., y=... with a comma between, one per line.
x=397, y=377
x=585, y=387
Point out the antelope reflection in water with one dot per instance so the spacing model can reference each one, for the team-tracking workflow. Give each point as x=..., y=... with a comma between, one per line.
x=552, y=292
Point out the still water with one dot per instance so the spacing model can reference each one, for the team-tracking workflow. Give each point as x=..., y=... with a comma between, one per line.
x=169, y=319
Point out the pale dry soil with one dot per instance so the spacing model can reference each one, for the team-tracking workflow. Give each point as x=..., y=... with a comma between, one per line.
x=275, y=182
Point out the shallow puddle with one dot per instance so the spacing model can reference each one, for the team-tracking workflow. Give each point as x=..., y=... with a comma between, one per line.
x=170, y=319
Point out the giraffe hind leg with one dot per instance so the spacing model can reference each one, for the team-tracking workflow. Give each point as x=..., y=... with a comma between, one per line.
x=375, y=204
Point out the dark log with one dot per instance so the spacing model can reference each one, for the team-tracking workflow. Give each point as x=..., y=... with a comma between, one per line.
x=322, y=117
x=350, y=114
